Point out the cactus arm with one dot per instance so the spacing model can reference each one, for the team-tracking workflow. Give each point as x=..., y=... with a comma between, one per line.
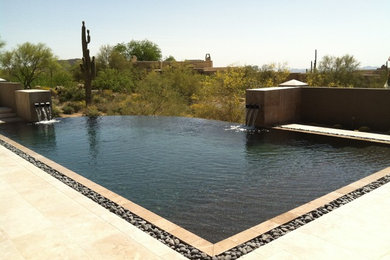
x=88, y=37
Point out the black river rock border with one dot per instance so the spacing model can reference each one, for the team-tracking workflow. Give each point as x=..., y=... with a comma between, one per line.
x=179, y=245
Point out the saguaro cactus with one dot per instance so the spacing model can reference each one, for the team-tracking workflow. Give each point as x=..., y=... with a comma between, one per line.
x=387, y=84
x=88, y=66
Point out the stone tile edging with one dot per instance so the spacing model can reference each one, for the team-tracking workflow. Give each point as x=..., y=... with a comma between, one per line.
x=228, y=248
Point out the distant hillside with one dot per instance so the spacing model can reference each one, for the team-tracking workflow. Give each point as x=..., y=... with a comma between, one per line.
x=295, y=70
x=71, y=62
x=368, y=68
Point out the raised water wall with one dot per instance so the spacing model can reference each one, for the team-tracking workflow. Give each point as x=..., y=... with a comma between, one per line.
x=349, y=108
x=7, y=94
x=26, y=101
x=276, y=106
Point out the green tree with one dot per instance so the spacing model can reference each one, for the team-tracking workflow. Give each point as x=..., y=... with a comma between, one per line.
x=336, y=72
x=183, y=80
x=118, y=61
x=170, y=58
x=57, y=74
x=111, y=58
x=156, y=95
x=104, y=56
x=118, y=81
x=222, y=96
x=27, y=62
x=271, y=75
x=144, y=50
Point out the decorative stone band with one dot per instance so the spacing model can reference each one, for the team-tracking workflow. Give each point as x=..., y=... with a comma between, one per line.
x=179, y=245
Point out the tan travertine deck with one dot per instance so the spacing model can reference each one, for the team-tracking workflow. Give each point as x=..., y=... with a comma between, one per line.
x=357, y=230
x=336, y=132
x=40, y=217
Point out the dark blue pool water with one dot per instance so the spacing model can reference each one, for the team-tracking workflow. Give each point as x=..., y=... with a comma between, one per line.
x=207, y=176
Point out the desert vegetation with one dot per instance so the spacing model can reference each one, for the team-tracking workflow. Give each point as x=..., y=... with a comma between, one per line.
x=120, y=88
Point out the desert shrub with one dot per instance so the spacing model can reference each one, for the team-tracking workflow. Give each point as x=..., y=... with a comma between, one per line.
x=230, y=110
x=111, y=102
x=182, y=80
x=92, y=111
x=221, y=95
x=66, y=109
x=98, y=99
x=338, y=126
x=74, y=93
x=76, y=105
x=112, y=79
x=364, y=129
x=156, y=95
x=107, y=93
x=55, y=110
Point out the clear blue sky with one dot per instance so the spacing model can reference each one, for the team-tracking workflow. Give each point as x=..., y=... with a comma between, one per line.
x=234, y=32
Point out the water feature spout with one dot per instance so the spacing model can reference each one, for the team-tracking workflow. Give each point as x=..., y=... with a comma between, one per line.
x=43, y=110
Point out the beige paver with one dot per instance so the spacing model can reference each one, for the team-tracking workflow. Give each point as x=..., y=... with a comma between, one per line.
x=357, y=230
x=336, y=132
x=42, y=218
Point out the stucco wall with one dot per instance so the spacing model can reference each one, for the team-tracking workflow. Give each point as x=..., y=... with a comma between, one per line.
x=350, y=107
x=195, y=64
x=7, y=94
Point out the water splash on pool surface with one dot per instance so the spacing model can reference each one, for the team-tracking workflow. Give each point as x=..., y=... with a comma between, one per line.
x=244, y=128
x=47, y=122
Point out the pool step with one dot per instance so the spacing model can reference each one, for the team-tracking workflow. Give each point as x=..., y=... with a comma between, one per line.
x=8, y=116
x=10, y=120
x=4, y=110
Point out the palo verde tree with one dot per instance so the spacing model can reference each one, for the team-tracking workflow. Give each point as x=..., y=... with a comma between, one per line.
x=27, y=62
x=88, y=66
x=144, y=50
x=335, y=72
x=103, y=57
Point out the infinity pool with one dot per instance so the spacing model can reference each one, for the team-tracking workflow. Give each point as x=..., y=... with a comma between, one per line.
x=210, y=177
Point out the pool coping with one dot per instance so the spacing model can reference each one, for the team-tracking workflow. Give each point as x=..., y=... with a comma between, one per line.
x=211, y=249
x=340, y=133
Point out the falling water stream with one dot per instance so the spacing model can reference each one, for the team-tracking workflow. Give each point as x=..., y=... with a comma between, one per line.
x=43, y=110
x=251, y=114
